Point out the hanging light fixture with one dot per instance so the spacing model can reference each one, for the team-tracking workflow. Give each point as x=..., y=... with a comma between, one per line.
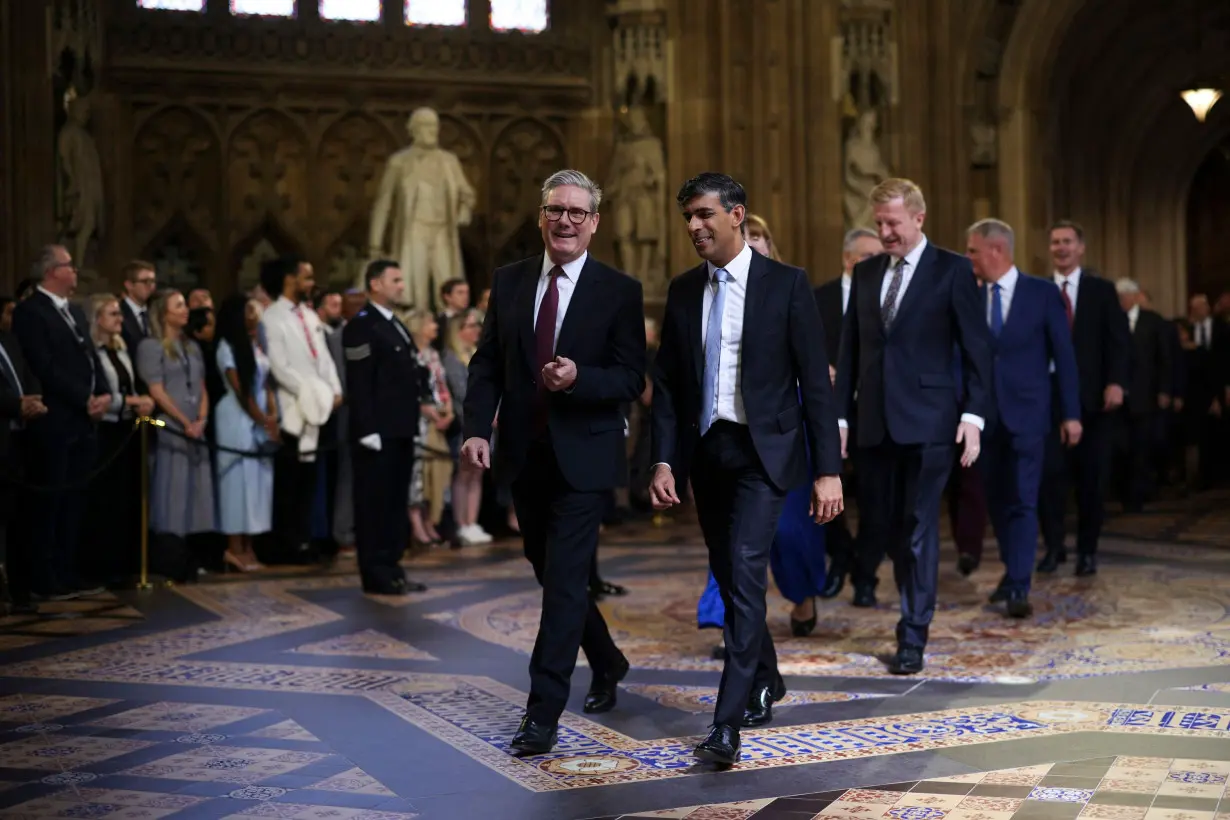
x=1201, y=99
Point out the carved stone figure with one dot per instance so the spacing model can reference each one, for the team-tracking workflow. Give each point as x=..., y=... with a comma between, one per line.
x=637, y=189
x=984, y=145
x=863, y=169
x=424, y=199
x=82, y=179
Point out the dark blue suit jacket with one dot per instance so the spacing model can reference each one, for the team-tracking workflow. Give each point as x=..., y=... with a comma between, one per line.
x=907, y=392
x=1035, y=333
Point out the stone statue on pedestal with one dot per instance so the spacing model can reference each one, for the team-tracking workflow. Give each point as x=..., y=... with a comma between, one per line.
x=637, y=190
x=424, y=200
x=81, y=184
x=863, y=168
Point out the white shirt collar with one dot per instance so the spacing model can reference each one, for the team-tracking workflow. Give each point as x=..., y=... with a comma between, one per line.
x=1134, y=312
x=737, y=268
x=845, y=279
x=384, y=311
x=1007, y=282
x=59, y=301
x=282, y=300
x=911, y=258
x=137, y=309
x=1074, y=277
x=572, y=269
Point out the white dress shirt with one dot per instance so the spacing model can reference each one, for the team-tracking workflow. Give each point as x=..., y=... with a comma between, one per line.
x=566, y=285
x=728, y=400
x=116, y=409
x=1007, y=287
x=137, y=310
x=1133, y=315
x=1074, y=285
x=845, y=293
x=1203, y=331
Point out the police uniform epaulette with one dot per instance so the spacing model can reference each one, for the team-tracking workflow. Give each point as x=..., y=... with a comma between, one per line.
x=361, y=313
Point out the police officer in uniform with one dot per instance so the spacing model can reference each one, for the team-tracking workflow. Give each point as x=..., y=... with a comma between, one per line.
x=384, y=386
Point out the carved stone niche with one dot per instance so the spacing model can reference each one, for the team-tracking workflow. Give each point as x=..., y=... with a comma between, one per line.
x=864, y=55
x=525, y=153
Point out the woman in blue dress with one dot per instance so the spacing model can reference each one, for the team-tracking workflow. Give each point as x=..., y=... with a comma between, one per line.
x=247, y=420
x=797, y=555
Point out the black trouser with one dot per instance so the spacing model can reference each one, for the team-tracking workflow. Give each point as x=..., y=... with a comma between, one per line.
x=55, y=459
x=1086, y=465
x=381, y=522
x=1134, y=448
x=900, y=487
x=738, y=510
x=15, y=554
x=294, y=495
x=113, y=509
x=559, y=530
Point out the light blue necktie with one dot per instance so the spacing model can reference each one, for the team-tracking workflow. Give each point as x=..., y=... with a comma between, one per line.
x=997, y=310
x=713, y=352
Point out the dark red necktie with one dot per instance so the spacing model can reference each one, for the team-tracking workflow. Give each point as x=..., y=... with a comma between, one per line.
x=544, y=344
x=1067, y=303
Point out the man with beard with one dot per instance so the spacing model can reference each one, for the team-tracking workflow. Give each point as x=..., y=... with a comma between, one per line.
x=308, y=392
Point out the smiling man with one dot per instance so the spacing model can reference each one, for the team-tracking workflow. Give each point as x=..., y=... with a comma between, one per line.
x=563, y=346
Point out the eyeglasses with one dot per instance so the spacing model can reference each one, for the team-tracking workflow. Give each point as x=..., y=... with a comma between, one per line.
x=150, y=281
x=575, y=215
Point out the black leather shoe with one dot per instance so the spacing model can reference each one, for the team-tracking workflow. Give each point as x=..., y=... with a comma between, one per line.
x=413, y=586
x=534, y=738
x=602, y=691
x=759, y=709
x=907, y=661
x=718, y=653
x=720, y=747
x=395, y=587
x=1018, y=605
x=1051, y=561
x=864, y=597
x=1086, y=565
x=801, y=629
x=833, y=585
x=966, y=564
x=1000, y=593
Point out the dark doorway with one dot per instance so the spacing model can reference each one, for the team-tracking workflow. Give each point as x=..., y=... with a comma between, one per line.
x=1208, y=215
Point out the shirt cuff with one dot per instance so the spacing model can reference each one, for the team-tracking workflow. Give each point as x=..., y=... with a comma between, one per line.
x=660, y=464
x=977, y=421
x=843, y=424
x=371, y=442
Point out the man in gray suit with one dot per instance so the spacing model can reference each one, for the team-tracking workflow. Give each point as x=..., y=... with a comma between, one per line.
x=329, y=308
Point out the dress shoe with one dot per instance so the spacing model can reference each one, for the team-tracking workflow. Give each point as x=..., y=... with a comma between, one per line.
x=602, y=589
x=1086, y=565
x=720, y=747
x=907, y=661
x=718, y=653
x=759, y=709
x=801, y=629
x=413, y=586
x=966, y=564
x=602, y=691
x=833, y=584
x=864, y=597
x=1051, y=561
x=1018, y=605
x=1000, y=593
x=534, y=738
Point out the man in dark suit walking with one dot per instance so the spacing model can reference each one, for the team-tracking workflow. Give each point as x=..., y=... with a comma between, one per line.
x=910, y=308
x=20, y=403
x=54, y=335
x=385, y=385
x=1029, y=331
x=832, y=299
x=741, y=396
x=563, y=347
x=1103, y=347
x=1148, y=395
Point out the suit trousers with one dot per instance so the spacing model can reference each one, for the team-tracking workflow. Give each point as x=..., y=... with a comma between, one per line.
x=1087, y=465
x=294, y=499
x=967, y=508
x=559, y=532
x=381, y=522
x=900, y=491
x=54, y=459
x=1133, y=456
x=738, y=510
x=1011, y=466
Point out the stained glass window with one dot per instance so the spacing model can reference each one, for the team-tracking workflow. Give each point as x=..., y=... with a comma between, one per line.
x=264, y=8
x=529, y=16
x=435, y=12
x=360, y=10
x=172, y=5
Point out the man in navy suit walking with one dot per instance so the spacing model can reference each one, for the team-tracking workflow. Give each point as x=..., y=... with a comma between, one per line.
x=909, y=308
x=1029, y=332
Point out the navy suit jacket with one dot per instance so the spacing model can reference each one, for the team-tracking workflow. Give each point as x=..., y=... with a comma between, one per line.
x=1035, y=333
x=907, y=390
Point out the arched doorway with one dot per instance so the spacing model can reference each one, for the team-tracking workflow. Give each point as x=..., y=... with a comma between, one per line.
x=1208, y=215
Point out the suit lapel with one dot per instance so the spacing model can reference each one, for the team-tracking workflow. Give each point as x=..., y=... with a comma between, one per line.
x=694, y=307
x=586, y=297
x=753, y=298
x=918, y=282
x=526, y=292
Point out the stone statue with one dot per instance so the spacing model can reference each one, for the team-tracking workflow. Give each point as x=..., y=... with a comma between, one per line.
x=82, y=195
x=425, y=195
x=863, y=169
x=984, y=138
x=637, y=189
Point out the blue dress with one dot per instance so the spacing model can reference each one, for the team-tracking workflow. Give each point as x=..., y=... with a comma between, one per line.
x=796, y=557
x=245, y=485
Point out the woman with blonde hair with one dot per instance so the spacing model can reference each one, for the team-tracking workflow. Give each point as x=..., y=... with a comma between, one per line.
x=760, y=237
x=461, y=340
x=114, y=509
x=433, y=469
x=171, y=363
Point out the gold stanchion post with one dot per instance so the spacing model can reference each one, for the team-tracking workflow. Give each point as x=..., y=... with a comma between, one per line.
x=143, y=424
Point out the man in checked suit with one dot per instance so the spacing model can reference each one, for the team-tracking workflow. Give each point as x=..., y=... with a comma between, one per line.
x=563, y=347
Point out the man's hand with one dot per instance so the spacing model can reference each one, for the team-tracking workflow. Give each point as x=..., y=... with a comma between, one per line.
x=559, y=374
x=1163, y=401
x=1070, y=432
x=1112, y=397
x=845, y=437
x=477, y=453
x=97, y=406
x=1178, y=404
x=444, y=421
x=971, y=436
x=337, y=401
x=826, y=499
x=32, y=407
x=662, y=488
x=832, y=375
x=1215, y=408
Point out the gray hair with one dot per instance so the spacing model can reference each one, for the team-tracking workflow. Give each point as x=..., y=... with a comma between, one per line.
x=1126, y=285
x=576, y=179
x=996, y=230
x=847, y=242
x=46, y=261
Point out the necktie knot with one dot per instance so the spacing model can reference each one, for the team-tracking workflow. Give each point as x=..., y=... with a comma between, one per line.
x=721, y=276
x=997, y=287
x=555, y=272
